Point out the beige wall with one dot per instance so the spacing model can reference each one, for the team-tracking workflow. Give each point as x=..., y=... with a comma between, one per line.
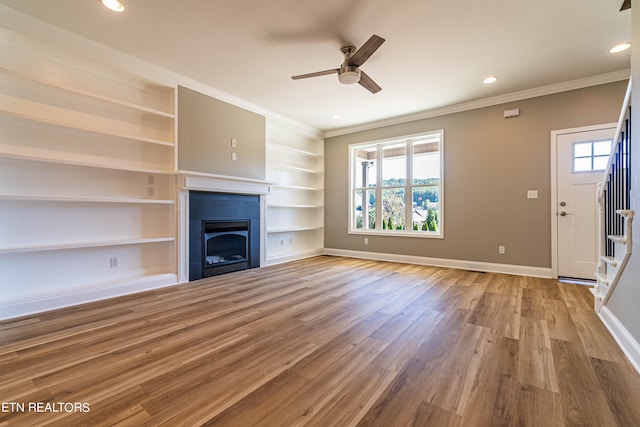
x=206, y=127
x=490, y=163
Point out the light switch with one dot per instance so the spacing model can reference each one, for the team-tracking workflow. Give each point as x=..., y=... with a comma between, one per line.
x=532, y=194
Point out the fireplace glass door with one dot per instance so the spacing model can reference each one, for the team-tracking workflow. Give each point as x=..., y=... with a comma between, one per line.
x=226, y=246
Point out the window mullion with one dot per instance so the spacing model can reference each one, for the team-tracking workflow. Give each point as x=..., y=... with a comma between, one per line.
x=379, y=218
x=408, y=193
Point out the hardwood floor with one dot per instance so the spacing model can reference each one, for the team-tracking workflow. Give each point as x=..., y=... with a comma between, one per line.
x=323, y=342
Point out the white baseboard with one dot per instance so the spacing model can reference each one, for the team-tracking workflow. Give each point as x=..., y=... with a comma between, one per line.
x=41, y=303
x=293, y=257
x=626, y=341
x=488, y=267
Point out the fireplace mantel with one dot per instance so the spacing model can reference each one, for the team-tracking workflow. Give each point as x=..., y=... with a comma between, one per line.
x=221, y=183
x=196, y=181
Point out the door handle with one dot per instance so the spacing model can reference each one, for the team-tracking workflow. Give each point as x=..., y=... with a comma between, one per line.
x=563, y=213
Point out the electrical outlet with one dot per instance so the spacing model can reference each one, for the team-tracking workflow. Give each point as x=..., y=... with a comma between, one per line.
x=151, y=180
x=366, y=240
x=234, y=157
x=151, y=191
x=501, y=250
x=113, y=262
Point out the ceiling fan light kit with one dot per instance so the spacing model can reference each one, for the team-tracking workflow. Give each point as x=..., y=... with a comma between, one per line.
x=349, y=72
x=351, y=75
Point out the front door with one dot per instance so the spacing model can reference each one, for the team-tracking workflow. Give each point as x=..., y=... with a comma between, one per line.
x=582, y=157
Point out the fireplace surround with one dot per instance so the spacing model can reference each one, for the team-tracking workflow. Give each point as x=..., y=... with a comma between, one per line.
x=224, y=233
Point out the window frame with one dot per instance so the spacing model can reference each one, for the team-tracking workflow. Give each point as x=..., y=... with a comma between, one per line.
x=591, y=157
x=409, y=186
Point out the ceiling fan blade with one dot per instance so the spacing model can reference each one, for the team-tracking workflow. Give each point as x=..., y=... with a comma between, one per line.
x=316, y=74
x=626, y=5
x=366, y=50
x=368, y=83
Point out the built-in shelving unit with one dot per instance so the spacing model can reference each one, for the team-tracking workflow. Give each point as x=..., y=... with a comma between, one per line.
x=87, y=185
x=295, y=207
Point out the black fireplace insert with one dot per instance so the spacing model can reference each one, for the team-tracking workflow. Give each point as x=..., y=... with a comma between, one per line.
x=226, y=246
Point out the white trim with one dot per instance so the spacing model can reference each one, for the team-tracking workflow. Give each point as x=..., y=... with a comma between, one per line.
x=627, y=343
x=301, y=254
x=70, y=297
x=188, y=180
x=488, y=267
x=183, y=236
x=263, y=229
x=554, y=184
x=614, y=76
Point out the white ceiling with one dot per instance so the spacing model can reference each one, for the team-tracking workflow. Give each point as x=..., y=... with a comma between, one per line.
x=435, y=55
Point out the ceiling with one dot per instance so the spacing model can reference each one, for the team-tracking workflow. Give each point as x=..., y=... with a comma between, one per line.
x=436, y=52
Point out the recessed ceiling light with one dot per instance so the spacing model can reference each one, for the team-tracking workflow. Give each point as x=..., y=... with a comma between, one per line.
x=620, y=48
x=336, y=116
x=115, y=5
x=489, y=80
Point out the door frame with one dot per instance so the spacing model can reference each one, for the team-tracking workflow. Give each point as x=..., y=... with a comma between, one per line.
x=554, y=185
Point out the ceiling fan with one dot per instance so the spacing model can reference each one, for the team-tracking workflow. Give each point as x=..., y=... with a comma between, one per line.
x=350, y=72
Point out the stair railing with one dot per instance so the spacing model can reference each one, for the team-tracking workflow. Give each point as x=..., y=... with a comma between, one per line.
x=614, y=201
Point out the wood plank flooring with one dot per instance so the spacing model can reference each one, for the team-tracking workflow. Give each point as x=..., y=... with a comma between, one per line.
x=325, y=341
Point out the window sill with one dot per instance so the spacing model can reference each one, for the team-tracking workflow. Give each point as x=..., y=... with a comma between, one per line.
x=409, y=233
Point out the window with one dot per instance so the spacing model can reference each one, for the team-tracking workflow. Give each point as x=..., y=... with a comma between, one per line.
x=396, y=186
x=591, y=156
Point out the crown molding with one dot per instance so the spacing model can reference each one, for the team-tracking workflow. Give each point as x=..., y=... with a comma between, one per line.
x=486, y=102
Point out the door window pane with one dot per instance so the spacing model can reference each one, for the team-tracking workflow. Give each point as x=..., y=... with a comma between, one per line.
x=602, y=148
x=591, y=156
x=582, y=149
x=582, y=165
x=600, y=163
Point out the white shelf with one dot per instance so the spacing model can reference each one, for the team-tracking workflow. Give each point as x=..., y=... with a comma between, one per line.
x=82, y=164
x=295, y=206
x=88, y=94
x=78, y=138
x=297, y=187
x=284, y=147
x=80, y=245
x=42, y=198
x=30, y=110
x=279, y=256
x=280, y=166
x=292, y=229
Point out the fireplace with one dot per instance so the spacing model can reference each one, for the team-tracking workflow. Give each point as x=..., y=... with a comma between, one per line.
x=225, y=246
x=224, y=233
